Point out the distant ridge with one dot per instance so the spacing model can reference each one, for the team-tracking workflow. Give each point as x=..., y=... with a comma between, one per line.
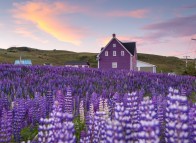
x=22, y=49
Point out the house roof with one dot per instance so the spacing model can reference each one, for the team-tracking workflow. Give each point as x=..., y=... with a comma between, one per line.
x=23, y=62
x=76, y=63
x=130, y=46
x=144, y=64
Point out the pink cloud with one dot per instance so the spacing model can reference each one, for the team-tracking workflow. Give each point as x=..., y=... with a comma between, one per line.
x=180, y=26
x=193, y=6
x=139, y=13
x=46, y=17
x=175, y=46
x=27, y=33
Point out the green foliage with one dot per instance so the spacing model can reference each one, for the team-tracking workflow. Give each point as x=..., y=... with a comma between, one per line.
x=192, y=97
x=190, y=70
x=78, y=127
x=29, y=133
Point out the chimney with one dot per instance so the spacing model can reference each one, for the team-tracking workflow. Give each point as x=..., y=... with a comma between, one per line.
x=114, y=35
x=102, y=48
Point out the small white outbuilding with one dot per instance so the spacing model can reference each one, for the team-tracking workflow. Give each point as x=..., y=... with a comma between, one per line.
x=146, y=67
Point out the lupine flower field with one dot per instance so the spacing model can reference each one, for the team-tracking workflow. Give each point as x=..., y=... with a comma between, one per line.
x=44, y=104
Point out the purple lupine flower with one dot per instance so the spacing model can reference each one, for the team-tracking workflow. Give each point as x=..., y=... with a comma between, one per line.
x=109, y=131
x=19, y=115
x=116, y=98
x=94, y=101
x=58, y=128
x=101, y=104
x=45, y=133
x=57, y=117
x=161, y=108
x=49, y=101
x=132, y=116
x=176, y=118
x=4, y=101
x=149, y=125
x=68, y=101
x=67, y=131
x=90, y=123
x=106, y=108
x=42, y=106
x=192, y=123
x=61, y=99
x=99, y=127
x=81, y=110
x=6, y=126
x=84, y=138
x=119, y=113
x=114, y=132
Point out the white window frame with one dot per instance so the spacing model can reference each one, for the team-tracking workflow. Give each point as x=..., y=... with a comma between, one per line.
x=122, y=53
x=106, y=53
x=114, y=53
x=114, y=65
x=114, y=45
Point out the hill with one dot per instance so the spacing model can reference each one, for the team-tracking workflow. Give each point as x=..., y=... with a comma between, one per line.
x=59, y=57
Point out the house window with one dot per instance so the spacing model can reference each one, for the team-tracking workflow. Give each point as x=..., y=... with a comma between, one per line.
x=114, y=53
x=122, y=53
x=106, y=53
x=114, y=65
x=114, y=45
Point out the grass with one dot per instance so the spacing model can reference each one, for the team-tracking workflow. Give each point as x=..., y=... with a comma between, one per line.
x=29, y=133
x=78, y=127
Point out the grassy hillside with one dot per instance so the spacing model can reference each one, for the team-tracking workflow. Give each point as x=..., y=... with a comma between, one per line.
x=58, y=57
x=163, y=63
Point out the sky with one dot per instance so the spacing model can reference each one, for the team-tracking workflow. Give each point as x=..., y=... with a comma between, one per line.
x=160, y=27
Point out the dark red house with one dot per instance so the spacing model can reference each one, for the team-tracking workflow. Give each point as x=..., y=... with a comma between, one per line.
x=118, y=55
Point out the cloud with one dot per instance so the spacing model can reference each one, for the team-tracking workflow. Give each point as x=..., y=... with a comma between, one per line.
x=139, y=13
x=177, y=27
x=193, y=6
x=47, y=17
x=27, y=33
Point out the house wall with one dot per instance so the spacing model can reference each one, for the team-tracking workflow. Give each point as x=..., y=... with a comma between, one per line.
x=123, y=62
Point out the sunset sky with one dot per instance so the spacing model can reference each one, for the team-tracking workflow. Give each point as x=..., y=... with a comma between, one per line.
x=161, y=27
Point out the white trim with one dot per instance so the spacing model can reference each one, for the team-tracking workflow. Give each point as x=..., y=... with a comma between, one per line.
x=131, y=63
x=110, y=42
x=114, y=53
x=106, y=53
x=114, y=65
x=114, y=45
x=98, y=64
x=122, y=53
